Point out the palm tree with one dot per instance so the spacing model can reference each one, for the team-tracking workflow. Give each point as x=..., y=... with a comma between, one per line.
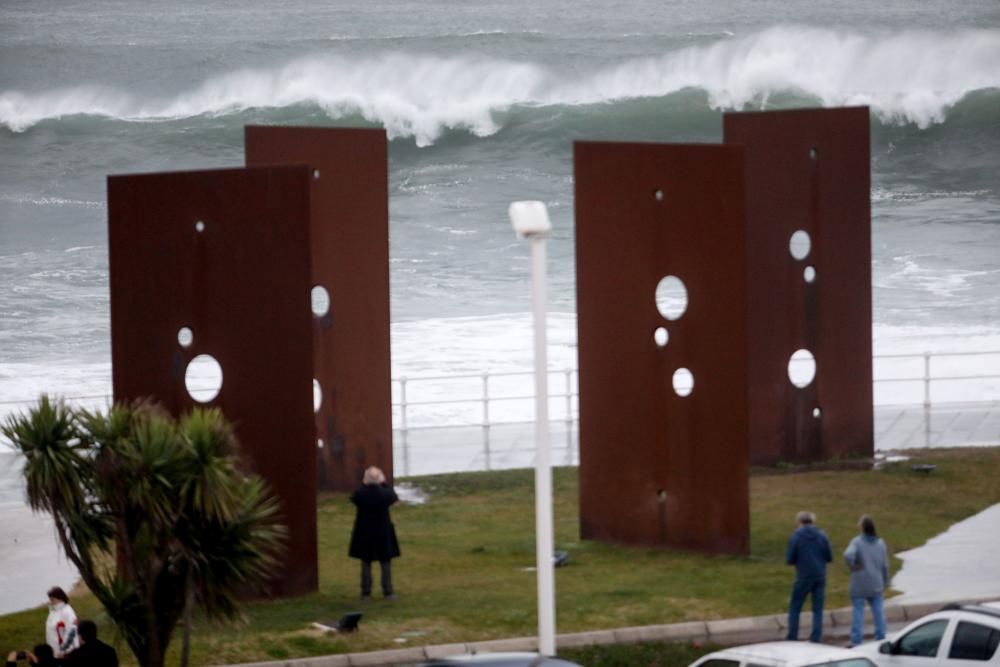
x=156, y=514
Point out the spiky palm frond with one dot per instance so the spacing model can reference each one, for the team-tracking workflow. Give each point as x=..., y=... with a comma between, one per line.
x=166, y=502
x=105, y=430
x=155, y=457
x=55, y=473
x=213, y=484
x=238, y=554
x=124, y=606
x=91, y=528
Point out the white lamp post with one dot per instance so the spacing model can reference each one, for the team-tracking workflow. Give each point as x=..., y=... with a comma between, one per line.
x=531, y=220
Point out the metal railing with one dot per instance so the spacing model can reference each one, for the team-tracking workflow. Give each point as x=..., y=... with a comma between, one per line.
x=920, y=370
x=569, y=392
x=951, y=373
x=429, y=402
x=403, y=404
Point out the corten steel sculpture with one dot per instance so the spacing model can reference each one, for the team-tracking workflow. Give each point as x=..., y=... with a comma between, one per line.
x=350, y=261
x=217, y=263
x=657, y=467
x=808, y=171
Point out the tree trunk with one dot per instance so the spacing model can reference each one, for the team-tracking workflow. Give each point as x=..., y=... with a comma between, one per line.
x=155, y=659
x=155, y=651
x=188, y=605
x=156, y=654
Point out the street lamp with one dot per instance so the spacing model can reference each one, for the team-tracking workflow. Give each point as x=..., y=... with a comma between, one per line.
x=530, y=220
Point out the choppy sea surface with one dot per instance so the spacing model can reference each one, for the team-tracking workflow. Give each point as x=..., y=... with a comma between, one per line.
x=482, y=101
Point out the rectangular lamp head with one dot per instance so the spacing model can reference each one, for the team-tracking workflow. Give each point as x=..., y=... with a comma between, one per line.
x=529, y=218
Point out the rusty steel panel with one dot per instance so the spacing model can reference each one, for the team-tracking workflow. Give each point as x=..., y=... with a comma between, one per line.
x=225, y=255
x=657, y=468
x=808, y=170
x=350, y=260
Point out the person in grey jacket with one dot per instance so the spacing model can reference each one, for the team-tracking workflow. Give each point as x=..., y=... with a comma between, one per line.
x=868, y=560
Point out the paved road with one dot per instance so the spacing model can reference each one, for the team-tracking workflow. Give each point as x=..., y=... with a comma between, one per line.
x=30, y=563
x=902, y=427
x=962, y=562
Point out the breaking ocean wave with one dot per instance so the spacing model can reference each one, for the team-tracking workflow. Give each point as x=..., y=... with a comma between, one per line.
x=907, y=78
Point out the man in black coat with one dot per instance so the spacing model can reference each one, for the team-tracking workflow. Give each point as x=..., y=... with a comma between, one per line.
x=374, y=537
x=92, y=652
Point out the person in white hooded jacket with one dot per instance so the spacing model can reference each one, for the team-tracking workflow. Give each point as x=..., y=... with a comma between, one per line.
x=60, y=626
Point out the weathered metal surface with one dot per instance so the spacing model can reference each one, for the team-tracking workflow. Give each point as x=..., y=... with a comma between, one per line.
x=241, y=285
x=350, y=260
x=657, y=468
x=808, y=170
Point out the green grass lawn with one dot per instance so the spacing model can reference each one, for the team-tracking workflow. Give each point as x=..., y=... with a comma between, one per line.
x=464, y=574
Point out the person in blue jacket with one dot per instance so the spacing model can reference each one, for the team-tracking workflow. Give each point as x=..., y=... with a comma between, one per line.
x=809, y=551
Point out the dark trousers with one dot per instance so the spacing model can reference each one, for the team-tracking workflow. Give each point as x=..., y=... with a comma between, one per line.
x=366, y=577
x=816, y=587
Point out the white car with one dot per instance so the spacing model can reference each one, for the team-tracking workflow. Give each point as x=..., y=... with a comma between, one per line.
x=956, y=636
x=499, y=660
x=784, y=654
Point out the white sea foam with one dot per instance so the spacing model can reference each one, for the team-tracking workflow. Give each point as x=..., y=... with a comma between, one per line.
x=946, y=282
x=880, y=194
x=905, y=77
x=49, y=201
x=402, y=36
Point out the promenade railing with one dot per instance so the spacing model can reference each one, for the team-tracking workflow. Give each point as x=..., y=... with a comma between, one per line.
x=423, y=403
x=485, y=401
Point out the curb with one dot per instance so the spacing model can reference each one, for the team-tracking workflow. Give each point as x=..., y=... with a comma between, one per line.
x=726, y=632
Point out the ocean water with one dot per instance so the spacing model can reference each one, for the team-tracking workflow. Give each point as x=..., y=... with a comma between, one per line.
x=482, y=101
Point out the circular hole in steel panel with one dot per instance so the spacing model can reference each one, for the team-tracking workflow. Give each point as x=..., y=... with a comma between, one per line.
x=817, y=413
x=185, y=336
x=658, y=195
x=802, y=368
x=671, y=297
x=660, y=336
x=203, y=378
x=317, y=395
x=809, y=273
x=683, y=382
x=199, y=226
x=320, y=301
x=800, y=244
x=319, y=443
